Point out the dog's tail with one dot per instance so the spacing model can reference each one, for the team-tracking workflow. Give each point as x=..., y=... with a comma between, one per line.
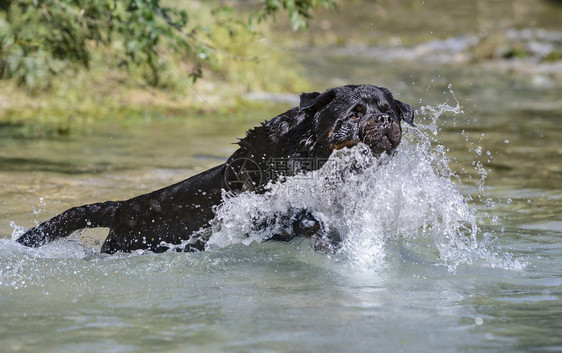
x=88, y=216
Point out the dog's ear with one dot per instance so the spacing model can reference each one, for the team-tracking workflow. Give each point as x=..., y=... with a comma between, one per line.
x=312, y=102
x=406, y=111
x=307, y=99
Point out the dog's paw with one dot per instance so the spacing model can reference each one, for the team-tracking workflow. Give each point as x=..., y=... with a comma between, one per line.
x=33, y=238
x=328, y=241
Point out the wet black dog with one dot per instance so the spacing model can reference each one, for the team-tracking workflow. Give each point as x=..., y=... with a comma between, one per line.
x=338, y=118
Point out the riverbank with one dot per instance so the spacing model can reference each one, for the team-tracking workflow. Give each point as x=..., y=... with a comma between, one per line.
x=244, y=60
x=520, y=40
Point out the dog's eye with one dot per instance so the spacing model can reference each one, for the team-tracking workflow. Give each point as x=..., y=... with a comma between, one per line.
x=359, y=108
x=383, y=107
x=357, y=111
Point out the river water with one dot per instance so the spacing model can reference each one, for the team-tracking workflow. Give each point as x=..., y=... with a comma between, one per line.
x=452, y=245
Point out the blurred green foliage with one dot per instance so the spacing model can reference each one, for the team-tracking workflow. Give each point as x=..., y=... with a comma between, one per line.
x=41, y=38
x=299, y=10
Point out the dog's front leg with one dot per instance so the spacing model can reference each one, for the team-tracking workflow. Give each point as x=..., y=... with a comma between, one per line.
x=304, y=224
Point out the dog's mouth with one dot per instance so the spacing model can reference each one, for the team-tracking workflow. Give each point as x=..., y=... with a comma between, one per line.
x=377, y=144
x=381, y=137
x=385, y=143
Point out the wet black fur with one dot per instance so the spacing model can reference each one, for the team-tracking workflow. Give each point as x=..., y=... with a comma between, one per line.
x=338, y=118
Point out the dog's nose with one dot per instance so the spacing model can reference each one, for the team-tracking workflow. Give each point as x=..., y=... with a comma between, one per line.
x=383, y=119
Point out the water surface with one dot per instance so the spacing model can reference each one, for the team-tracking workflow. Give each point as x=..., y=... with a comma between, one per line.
x=453, y=244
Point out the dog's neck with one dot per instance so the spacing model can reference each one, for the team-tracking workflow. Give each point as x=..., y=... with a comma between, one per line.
x=282, y=146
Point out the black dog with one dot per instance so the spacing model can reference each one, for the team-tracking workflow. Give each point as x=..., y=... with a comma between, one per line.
x=338, y=118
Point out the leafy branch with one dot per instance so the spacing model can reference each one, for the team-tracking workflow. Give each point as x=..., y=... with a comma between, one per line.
x=41, y=38
x=300, y=11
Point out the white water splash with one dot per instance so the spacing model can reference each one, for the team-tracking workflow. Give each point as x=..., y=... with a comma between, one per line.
x=69, y=247
x=375, y=204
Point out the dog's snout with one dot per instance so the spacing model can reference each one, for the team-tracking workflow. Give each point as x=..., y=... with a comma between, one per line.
x=372, y=123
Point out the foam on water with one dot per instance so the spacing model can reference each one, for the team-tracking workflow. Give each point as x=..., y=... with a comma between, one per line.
x=376, y=204
x=60, y=248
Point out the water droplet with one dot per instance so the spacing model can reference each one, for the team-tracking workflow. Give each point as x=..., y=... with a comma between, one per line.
x=478, y=321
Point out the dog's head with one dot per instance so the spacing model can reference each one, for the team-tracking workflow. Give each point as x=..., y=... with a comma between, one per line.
x=298, y=139
x=347, y=115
